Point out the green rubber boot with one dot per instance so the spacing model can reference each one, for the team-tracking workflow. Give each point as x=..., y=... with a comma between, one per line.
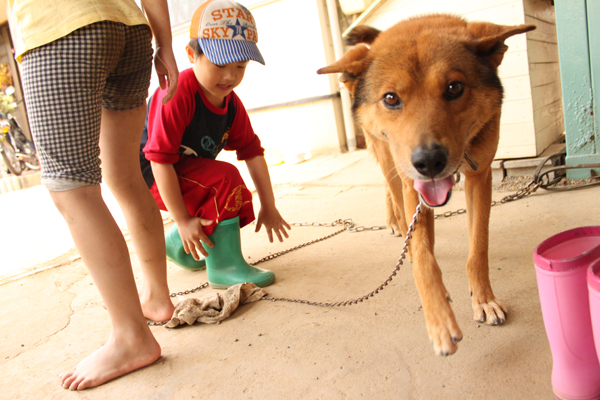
x=225, y=264
x=177, y=255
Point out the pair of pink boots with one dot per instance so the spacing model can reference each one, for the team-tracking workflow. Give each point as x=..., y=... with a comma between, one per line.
x=568, y=275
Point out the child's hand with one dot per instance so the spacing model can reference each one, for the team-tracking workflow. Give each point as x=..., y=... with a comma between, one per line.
x=272, y=221
x=192, y=235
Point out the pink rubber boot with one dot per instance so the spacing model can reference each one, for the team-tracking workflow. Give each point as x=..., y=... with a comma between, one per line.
x=593, y=279
x=561, y=264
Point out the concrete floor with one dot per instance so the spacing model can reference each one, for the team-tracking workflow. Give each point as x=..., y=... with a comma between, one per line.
x=51, y=315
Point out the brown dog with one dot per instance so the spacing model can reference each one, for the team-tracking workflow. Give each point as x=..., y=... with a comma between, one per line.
x=427, y=94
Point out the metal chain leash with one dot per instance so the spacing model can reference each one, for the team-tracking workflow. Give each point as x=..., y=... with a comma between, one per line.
x=204, y=285
x=540, y=180
x=348, y=226
x=400, y=262
x=347, y=223
x=533, y=186
x=520, y=194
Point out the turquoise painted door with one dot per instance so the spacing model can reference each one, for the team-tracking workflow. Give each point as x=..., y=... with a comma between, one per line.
x=578, y=29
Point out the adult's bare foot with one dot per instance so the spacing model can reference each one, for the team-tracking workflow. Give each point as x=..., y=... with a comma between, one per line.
x=116, y=358
x=156, y=307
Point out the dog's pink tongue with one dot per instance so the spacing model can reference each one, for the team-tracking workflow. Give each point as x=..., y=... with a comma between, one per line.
x=435, y=193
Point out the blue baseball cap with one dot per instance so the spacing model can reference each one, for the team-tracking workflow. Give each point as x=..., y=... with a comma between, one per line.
x=226, y=32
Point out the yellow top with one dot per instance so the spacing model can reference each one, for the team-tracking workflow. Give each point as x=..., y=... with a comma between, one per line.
x=35, y=23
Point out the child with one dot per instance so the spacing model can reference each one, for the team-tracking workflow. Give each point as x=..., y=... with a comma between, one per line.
x=86, y=71
x=208, y=198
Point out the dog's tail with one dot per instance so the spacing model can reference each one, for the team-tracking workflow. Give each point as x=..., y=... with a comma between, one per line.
x=362, y=34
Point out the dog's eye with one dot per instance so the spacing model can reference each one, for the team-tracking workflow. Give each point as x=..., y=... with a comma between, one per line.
x=392, y=101
x=454, y=90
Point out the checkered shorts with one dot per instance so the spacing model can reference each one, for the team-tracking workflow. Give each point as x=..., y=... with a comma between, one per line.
x=66, y=84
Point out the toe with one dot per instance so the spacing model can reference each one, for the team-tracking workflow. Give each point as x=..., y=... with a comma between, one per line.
x=67, y=379
x=491, y=312
x=77, y=384
x=446, y=343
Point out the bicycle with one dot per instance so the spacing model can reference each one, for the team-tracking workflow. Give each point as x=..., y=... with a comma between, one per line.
x=18, y=152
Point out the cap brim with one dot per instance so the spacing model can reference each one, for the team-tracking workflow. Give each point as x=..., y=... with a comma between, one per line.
x=222, y=52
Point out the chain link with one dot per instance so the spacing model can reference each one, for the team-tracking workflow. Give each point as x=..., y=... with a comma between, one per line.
x=449, y=214
x=204, y=285
x=348, y=226
x=520, y=194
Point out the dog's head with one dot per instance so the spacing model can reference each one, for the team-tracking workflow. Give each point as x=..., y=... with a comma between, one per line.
x=429, y=87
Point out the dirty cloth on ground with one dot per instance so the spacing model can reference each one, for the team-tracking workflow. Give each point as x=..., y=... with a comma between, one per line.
x=214, y=307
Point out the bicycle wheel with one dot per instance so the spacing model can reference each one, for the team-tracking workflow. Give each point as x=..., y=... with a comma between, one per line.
x=10, y=158
x=33, y=163
x=31, y=160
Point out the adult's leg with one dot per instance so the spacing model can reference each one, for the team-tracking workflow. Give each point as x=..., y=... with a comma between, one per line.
x=103, y=250
x=120, y=138
x=63, y=93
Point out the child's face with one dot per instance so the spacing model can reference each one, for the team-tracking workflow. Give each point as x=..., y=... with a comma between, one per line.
x=217, y=81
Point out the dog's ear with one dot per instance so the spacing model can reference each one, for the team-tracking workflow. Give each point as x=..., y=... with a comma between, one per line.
x=361, y=34
x=489, y=38
x=352, y=64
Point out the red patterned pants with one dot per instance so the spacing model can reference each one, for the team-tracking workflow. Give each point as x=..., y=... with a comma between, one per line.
x=212, y=190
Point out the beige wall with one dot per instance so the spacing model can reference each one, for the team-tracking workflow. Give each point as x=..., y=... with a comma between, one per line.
x=3, y=16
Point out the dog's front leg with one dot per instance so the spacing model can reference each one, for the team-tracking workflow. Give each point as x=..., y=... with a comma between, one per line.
x=394, y=221
x=394, y=200
x=486, y=307
x=441, y=324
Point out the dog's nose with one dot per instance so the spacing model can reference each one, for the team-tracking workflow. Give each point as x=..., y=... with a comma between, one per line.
x=430, y=160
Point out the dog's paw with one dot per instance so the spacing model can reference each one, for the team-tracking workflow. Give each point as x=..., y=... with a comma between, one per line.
x=445, y=339
x=489, y=310
x=394, y=227
x=443, y=331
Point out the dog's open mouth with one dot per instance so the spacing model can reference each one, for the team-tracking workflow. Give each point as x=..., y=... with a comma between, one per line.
x=435, y=193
